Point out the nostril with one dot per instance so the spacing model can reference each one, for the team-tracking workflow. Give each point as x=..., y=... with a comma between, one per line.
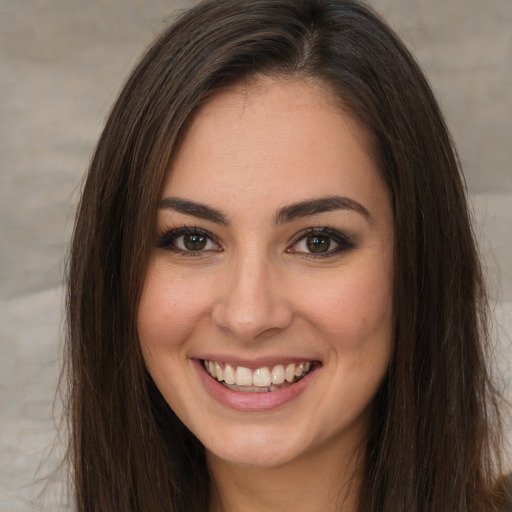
x=249, y=321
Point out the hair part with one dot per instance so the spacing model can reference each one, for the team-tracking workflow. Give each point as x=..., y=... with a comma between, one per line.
x=434, y=438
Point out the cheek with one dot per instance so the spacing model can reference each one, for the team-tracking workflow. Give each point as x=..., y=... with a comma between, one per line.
x=352, y=307
x=171, y=306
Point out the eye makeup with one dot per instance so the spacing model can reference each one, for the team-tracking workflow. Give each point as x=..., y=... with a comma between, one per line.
x=188, y=241
x=320, y=242
x=312, y=242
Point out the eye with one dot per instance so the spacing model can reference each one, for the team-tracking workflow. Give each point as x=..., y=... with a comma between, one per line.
x=187, y=241
x=320, y=242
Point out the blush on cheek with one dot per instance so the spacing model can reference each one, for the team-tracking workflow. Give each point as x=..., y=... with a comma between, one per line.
x=352, y=315
x=170, y=305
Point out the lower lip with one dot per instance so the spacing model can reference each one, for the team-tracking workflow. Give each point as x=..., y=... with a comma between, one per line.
x=252, y=402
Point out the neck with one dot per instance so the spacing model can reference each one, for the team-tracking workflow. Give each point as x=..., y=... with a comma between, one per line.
x=324, y=480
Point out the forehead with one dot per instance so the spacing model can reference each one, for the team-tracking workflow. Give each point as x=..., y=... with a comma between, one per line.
x=270, y=137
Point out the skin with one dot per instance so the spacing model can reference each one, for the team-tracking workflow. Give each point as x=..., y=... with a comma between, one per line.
x=256, y=291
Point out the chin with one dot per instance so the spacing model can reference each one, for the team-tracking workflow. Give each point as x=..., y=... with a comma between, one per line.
x=263, y=451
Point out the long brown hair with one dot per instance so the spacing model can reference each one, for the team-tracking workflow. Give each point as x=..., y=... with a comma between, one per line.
x=434, y=434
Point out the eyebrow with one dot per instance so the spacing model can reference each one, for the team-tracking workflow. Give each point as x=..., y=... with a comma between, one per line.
x=319, y=205
x=283, y=215
x=194, y=209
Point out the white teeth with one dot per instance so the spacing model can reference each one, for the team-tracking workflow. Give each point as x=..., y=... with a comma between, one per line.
x=243, y=376
x=219, y=372
x=290, y=372
x=229, y=374
x=261, y=378
x=277, y=375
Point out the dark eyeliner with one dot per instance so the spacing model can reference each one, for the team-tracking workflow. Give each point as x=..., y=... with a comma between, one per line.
x=167, y=239
x=345, y=242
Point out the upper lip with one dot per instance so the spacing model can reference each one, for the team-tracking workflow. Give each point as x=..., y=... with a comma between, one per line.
x=256, y=362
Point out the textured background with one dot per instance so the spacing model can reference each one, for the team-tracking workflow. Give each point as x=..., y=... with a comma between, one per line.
x=61, y=65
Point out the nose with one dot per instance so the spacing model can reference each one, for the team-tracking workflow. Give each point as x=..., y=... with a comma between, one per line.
x=252, y=302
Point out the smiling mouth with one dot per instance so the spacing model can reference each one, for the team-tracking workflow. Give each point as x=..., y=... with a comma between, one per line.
x=261, y=380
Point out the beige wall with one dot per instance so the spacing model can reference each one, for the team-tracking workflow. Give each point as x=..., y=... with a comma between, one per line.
x=61, y=65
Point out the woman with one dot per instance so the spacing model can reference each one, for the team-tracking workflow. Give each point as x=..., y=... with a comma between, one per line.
x=274, y=295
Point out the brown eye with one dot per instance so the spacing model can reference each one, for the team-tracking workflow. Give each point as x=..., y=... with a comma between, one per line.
x=194, y=242
x=189, y=241
x=318, y=243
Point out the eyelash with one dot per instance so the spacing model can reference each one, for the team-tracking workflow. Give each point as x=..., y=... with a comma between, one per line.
x=168, y=240
x=344, y=243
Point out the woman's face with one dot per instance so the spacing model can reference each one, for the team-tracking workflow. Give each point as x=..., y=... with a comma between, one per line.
x=273, y=268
